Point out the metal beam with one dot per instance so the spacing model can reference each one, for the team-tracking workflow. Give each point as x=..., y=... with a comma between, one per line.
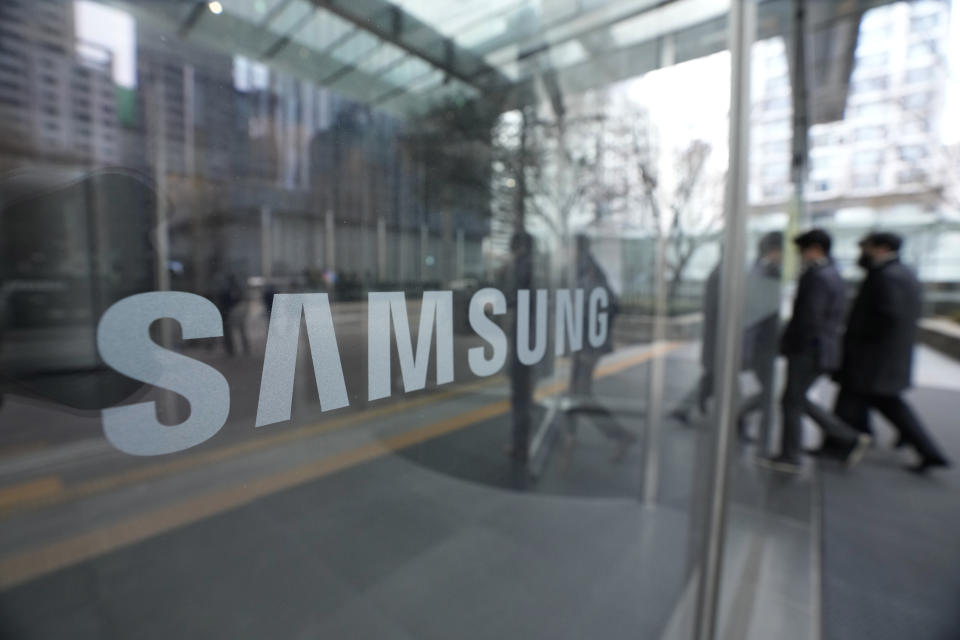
x=417, y=38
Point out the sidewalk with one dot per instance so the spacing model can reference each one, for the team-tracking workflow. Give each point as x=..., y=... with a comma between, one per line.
x=892, y=539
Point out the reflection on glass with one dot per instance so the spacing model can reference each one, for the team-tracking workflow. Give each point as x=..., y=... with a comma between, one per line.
x=442, y=289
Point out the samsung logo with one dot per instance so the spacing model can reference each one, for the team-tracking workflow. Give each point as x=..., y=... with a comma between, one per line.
x=124, y=343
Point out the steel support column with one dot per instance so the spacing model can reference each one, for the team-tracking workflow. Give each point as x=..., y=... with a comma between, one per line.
x=729, y=334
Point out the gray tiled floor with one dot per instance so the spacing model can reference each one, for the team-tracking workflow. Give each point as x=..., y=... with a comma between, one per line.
x=392, y=548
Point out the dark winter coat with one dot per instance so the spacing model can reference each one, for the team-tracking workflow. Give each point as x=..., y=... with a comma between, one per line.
x=816, y=326
x=881, y=331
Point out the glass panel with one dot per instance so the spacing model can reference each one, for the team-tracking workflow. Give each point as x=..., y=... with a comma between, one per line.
x=787, y=564
x=405, y=319
x=296, y=317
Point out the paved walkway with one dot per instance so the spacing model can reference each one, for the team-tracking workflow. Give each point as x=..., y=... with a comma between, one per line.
x=401, y=521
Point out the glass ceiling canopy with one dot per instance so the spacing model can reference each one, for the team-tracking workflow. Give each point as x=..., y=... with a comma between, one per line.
x=404, y=55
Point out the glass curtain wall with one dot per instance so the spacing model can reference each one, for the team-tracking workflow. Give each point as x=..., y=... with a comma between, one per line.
x=399, y=319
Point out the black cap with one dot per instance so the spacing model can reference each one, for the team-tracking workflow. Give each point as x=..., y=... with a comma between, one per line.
x=814, y=237
x=886, y=239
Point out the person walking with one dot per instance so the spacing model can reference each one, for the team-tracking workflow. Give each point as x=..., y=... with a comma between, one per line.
x=878, y=349
x=697, y=397
x=590, y=276
x=761, y=333
x=811, y=344
x=760, y=338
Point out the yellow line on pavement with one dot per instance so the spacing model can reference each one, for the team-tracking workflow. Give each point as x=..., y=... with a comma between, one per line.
x=26, y=500
x=35, y=490
x=26, y=565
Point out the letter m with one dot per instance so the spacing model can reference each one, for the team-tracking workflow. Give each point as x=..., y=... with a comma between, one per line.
x=436, y=309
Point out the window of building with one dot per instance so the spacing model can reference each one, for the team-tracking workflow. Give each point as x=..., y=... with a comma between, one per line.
x=822, y=162
x=922, y=50
x=822, y=138
x=864, y=134
x=920, y=74
x=865, y=85
x=867, y=159
x=916, y=125
x=776, y=147
x=820, y=185
x=924, y=22
x=873, y=61
x=913, y=152
x=866, y=180
x=917, y=100
x=777, y=84
x=778, y=103
x=911, y=176
x=870, y=110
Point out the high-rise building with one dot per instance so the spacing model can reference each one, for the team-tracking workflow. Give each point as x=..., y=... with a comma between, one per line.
x=54, y=103
x=881, y=165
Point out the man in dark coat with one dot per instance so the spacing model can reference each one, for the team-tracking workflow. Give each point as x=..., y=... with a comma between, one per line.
x=878, y=348
x=811, y=343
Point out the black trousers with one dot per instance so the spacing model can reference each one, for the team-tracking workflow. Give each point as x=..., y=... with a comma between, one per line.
x=581, y=388
x=762, y=401
x=854, y=408
x=802, y=372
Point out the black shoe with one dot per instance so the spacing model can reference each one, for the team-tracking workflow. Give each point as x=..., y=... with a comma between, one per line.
x=682, y=416
x=856, y=450
x=781, y=463
x=923, y=466
x=830, y=448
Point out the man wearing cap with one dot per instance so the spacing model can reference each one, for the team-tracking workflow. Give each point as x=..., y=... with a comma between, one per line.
x=811, y=344
x=878, y=348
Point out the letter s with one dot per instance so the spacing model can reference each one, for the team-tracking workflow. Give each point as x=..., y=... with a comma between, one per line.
x=123, y=340
x=487, y=329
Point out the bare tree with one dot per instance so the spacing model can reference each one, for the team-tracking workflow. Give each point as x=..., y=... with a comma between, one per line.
x=692, y=215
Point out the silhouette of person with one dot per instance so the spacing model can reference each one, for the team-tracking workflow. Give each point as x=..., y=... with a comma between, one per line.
x=515, y=276
x=590, y=276
x=811, y=344
x=229, y=298
x=698, y=396
x=878, y=349
x=762, y=331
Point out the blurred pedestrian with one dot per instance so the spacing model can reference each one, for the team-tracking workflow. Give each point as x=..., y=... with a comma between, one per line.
x=762, y=332
x=698, y=396
x=515, y=276
x=811, y=344
x=760, y=338
x=229, y=299
x=878, y=349
x=591, y=276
